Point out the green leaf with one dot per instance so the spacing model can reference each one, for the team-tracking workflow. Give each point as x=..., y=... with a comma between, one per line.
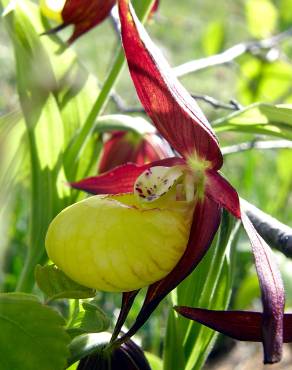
x=75, y=100
x=55, y=284
x=73, y=366
x=13, y=141
x=85, y=344
x=13, y=165
x=263, y=81
x=32, y=335
x=91, y=319
x=123, y=122
x=247, y=292
x=261, y=17
x=56, y=94
x=266, y=119
x=285, y=13
x=213, y=38
x=280, y=203
x=154, y=361
x=173, y=353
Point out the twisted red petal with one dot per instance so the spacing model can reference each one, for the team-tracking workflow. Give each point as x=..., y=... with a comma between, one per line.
x=271, y=284
x=127, y=302
x=173, y=111
x=85, y=14
x=273, y=295
x=240, y=325
x=206, y=221
x=122, y=178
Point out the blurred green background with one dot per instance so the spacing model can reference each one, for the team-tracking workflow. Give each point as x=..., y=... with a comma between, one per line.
x=186, y=30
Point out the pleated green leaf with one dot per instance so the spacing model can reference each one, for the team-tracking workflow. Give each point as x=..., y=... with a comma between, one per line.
x=89, y=319
x=56, y=94
x=261, y=118
x=55, y=284
x=32, y=335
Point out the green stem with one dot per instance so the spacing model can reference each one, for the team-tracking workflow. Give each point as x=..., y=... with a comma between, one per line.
x=73, y=152
x=35, y=255
x=40, y=214
x=26, y=281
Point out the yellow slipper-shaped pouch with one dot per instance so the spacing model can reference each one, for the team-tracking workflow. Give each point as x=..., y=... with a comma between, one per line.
x=124, y=242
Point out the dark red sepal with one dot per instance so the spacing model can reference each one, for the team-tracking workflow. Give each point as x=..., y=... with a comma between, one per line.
x=127, y=302
x=271, y=284
x=206, y=221
x=272, y=290
x=240, y=325
x=121, y=179
x=85, y=14
x=173, y=111
x=222, y=192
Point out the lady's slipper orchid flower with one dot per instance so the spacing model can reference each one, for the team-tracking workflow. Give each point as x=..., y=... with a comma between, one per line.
x=125, y=243
x=192, y=180
x=83, y=14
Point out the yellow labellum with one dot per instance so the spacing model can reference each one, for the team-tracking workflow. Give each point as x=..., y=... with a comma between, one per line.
x=52, y=9
x=118, y=244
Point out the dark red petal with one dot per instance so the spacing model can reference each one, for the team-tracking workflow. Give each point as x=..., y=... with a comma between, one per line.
x=236, y=324
x=127, y=302
x=85, y=14
x=171, y=108
x=272, y=289
x=121, y=179
x=206, y=221
x=241, y=325
x=222, y=192
x=269, y=276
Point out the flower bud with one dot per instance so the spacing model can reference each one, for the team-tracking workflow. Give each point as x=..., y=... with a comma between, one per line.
x=82, y=14
x=126, y=357
x=127, y=146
